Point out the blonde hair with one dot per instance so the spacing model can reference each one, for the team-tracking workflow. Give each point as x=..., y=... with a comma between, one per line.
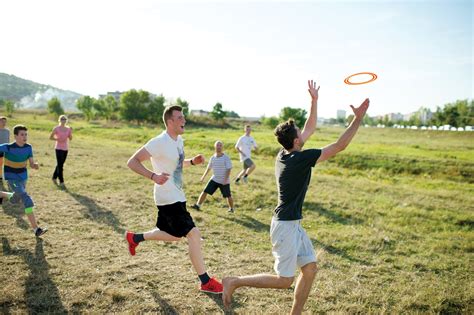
x=62, y=117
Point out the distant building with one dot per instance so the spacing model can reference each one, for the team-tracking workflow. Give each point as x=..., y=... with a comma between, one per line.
x=394, y=117
x=199, y=112
x=341, y=114
x=115, y=94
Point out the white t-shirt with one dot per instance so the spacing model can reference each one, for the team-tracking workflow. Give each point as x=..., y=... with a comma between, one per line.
x=220, y=165
x=245, y=144
x=167, y=156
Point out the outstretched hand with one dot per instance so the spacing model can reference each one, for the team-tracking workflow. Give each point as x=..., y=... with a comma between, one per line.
x=198, y=159
x=313, y=91
x=362, y=109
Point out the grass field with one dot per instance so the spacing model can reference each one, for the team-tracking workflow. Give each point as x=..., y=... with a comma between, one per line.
x=392, y=220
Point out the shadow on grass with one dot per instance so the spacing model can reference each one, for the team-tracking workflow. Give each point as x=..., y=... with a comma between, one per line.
x=16, y=211
x=340, y=252
x=165, y=307
x=41, y=294
x=248, y=222
x=331, y=215
x=217, y=298
x=97, y=213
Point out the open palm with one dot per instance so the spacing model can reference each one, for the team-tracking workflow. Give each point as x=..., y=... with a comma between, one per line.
x=362, y=109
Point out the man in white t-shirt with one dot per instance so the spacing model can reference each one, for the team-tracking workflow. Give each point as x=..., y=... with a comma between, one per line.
x=174, y=222
x=244, y=146
x=221, y=166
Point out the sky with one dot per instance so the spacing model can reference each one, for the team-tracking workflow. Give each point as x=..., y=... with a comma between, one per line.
x=254, y=57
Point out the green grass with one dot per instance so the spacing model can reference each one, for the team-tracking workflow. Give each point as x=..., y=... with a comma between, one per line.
x=391, y=218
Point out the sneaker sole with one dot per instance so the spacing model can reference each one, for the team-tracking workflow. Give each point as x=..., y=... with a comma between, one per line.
x=205, y=291
x=44, y=232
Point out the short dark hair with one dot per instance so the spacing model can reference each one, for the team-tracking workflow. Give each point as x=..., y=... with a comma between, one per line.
x=18, y=128
x=286, y=133
x=168, y=112
x=3, y=118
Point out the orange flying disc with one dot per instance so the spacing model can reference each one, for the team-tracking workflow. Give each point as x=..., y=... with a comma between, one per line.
x=374, y=77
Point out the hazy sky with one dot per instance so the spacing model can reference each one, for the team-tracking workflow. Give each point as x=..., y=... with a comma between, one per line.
x=254, y=57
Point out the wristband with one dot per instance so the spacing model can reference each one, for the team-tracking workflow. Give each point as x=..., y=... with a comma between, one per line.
x=152, y=174
x=191, y=161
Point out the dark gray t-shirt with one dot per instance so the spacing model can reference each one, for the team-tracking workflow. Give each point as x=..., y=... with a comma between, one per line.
x=293, y=173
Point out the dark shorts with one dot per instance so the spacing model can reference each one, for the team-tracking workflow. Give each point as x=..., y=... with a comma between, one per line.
x=174, y=219
x=1, y=154
x=247, y=163
x=212, y=187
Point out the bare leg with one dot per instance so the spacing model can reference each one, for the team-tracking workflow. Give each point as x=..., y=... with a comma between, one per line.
x=195, y=253
x=250, y=169
x=158, y=235
x=241, y=173
x=32, y=219
x=202, y=198
x=303, y=287
x=257, y=281
x=230, y=202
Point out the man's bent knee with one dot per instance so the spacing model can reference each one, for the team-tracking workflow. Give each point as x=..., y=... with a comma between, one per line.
x=285, y=282
x=194, y=234
x=310, y=269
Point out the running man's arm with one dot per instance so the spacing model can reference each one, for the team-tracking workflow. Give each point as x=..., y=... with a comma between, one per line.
x=310, y=124
x=331, y=150
x=196, y=160
x=135, y=163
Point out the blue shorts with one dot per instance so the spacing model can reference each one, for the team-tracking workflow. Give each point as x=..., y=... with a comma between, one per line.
x=18, y=187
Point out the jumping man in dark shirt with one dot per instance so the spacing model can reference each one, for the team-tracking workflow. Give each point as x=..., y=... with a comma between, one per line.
x=291, y=246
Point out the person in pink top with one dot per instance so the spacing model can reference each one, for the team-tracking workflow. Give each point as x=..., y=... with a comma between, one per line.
x=62, y=134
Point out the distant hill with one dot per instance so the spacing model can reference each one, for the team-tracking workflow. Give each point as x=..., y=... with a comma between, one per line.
x=29, y=94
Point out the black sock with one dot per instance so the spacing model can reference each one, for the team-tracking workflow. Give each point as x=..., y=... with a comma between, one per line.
x=237, y=180
x=1, y=201
x=137, y=238
x=246, y=175
x=204, y=278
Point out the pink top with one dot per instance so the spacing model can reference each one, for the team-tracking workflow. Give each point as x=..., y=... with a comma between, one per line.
x=62, y=135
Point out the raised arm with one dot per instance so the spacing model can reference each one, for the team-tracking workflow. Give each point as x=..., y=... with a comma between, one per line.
x=331, y=150
x=135, y=163
x=310, y=124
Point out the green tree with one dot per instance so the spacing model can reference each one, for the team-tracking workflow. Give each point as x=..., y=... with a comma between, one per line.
x=134, y=105
x=184, y=104
x=110, y=107
x=156, y=109
x=231, y=114
x=217, y=112
x=54, y=107
x=9, y=107
x=86, y=105
x=297, y=114
x=271, y=122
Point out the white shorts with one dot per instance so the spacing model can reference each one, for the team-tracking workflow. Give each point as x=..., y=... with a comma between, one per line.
x=291, y=247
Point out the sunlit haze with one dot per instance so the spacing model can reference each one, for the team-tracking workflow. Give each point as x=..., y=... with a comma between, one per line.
x=253, y=57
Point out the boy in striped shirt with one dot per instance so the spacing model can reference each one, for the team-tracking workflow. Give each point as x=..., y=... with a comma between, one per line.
x=16, y=156
x=221, y=167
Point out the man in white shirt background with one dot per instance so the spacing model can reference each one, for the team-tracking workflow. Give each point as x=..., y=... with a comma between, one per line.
x=244, y=146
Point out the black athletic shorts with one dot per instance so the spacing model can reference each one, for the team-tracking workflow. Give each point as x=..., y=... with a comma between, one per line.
x=212, y=187
x=174, y=219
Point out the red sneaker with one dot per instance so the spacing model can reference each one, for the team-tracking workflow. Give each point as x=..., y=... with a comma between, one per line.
x=212, y=286
x=131, y=244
